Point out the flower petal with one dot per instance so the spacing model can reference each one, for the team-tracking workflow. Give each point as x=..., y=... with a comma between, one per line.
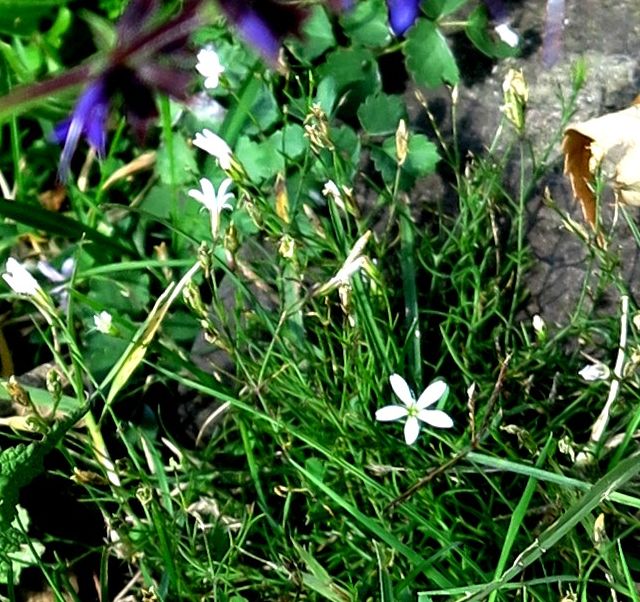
x=436, y=418
x=402, y=390
x=402, y=14
x=432, y=394
x=389, y=413
x=19, y=279
x=411, y=430
x=215, y=146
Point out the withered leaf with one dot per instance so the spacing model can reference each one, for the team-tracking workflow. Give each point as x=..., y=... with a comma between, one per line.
x=611, y=142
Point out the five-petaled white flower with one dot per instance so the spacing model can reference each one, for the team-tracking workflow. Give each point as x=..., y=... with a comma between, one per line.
x=215, y=146
x=415, y=411
x=215, y=202
x=19, y=279
x=103, y=322
x=209, y=66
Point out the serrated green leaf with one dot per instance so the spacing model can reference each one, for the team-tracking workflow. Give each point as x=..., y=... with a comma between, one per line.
x=422, y=159
x=261, y=160
x=19, y=465
x=354, y=71
x=290, y=141
x=317, y=35
x=379, y=114
x=367, y=24
x=428, y=57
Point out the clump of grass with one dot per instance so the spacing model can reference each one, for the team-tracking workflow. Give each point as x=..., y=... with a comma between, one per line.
x=302, y=306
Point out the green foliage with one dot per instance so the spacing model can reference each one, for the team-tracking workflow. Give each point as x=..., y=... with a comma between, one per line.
x=367, y=24
x=380, y=114
x=477, y=29
x=421, y=160
x=429, y=59
x=24, y=17
x=237, y=455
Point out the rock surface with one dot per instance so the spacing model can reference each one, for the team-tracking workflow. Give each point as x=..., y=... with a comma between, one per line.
x=605, y=33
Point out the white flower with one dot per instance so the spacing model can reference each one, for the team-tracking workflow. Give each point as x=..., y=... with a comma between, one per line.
x=505, y=32
x=331, y=189
x=354, y=262
x=415, y=411
x=215, y=146
x=103, y=322
x=594, y=372
x=214, y=202
x=19, y=279
x=209, y=66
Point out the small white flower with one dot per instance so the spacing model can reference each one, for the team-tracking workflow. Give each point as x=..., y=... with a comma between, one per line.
x=594, y=372
x=215, y=146
x=19, y=279
x=506, y=33
x=538, y=324
x=354, y=262
x=103, y=322
x=415, y=411
x=209, y=66
x=214, y=202
x=331, y=189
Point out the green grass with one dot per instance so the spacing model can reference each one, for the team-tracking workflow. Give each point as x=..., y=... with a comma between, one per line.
x=231, y=450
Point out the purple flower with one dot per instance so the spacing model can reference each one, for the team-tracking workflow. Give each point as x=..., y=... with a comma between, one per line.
x=89, y=119
x=402, y=14
x=264, y=23
x=147, y=57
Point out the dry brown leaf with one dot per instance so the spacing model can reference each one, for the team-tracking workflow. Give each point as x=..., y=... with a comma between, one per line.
x=611, y=142
x=144, y=161
x=53, y=199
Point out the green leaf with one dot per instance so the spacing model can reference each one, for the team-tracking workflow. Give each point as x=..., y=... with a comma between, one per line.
x=38, y=218
x=428, y=57
x=421, y=160
x=20, y=464
x=180, y=155
x=355, y=71
x=477, y=30
x=439, y=8
x=317, y=34
x=379, y=114
x=265, y=111
x=23, y=17
x=23, y=555
x=128, y=294
x=327, y=94
x=367, y=24
x=290, y=141
x=318, y=579
x=261, y=160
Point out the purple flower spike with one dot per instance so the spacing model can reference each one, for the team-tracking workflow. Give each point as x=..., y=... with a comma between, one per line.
x=257, y=33
x=89, y=119
x=402, y=14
